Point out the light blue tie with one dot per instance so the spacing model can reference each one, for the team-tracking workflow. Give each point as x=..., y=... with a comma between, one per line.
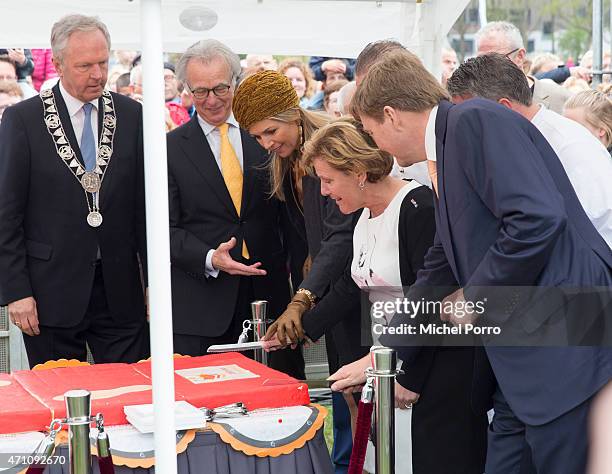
x=88, y=143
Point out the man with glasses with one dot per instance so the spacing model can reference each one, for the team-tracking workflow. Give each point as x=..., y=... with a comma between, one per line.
x=504, y=38
x=171, y=92
x=9, y=71
x=226, y=247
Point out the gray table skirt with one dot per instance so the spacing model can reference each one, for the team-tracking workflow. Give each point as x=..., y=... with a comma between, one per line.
x=207, y=454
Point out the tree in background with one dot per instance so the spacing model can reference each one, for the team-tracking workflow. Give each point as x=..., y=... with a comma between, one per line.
x=574, y=42
x=569, y=22
x=526, y=15
x=575, y=18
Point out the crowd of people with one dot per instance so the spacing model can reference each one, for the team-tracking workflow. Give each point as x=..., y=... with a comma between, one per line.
x=310, y=185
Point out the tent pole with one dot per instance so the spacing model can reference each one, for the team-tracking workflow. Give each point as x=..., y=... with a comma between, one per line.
x=597, y=41
x=158, y=236
x=482, y=12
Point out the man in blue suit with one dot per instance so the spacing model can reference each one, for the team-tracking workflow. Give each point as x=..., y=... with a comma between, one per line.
x=506, y=217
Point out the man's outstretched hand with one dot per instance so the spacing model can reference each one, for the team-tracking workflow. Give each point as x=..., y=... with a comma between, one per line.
x=222, y=260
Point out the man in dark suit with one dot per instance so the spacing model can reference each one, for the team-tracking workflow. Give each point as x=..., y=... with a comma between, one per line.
x=72, y=240
x=506, y=217
x=226, y=244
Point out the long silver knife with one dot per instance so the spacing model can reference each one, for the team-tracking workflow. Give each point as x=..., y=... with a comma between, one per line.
x=245, y=346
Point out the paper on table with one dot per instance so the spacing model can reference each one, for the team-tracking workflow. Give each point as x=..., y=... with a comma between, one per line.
x=186, y=416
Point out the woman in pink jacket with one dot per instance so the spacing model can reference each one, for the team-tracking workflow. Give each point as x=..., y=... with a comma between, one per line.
x=43, y=67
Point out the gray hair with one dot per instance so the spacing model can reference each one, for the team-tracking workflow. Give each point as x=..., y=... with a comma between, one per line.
x=205, y=51
x=510, y=32
x=346, y=92
x=65, y=26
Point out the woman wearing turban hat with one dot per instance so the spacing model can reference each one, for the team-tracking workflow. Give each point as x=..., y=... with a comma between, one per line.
x=267, y=105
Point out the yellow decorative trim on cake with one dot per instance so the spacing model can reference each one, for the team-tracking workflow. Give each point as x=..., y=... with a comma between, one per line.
x=60, y=363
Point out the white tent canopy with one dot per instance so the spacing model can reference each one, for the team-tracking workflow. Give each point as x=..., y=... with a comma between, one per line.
x=339, y=28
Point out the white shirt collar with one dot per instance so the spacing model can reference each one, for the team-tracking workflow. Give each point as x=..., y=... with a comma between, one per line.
x=73, y=104
x=430, y=135
x=208, y=128
x=541, y=111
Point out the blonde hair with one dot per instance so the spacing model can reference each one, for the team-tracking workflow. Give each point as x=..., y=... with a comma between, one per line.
x=345, y=146
x=11, y=88
x=306, y=72
x=606, y=88
x=278, y=167
x=575, y=84
x=543, y=59
x=398, y=80
x=597, y=110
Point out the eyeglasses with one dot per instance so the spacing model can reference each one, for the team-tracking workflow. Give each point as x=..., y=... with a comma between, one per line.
x=511, y=53
x=201, y=93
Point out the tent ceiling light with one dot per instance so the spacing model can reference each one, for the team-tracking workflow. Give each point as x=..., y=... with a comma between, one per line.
x=198, y=18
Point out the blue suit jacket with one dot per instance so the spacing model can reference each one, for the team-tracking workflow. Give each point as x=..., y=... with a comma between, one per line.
x=508, y=216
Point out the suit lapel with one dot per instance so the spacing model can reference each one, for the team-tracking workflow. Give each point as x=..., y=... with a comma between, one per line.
x=294, y=212
x=101, y=116
x=62, y=111
x=443, y=223
x=251, y=152
x=198, y=151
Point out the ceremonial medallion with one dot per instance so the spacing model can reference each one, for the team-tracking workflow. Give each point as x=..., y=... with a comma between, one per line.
x=105, y=152
x=94, y=219
x=52, y=121
x=90, y=182
x=65, y=152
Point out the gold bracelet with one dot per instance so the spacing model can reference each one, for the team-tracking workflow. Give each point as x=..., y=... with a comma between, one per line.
x=311, y=297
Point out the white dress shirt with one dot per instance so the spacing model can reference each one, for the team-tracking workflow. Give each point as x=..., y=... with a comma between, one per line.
x=430, y=135
x=417, y=172
x=213, y=137
x=77, y=114
x=587, y=164
x=77, y=118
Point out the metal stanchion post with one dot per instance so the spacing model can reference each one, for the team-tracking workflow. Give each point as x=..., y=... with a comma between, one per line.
x=384, y=362
x=259, y=312
x=78, y=413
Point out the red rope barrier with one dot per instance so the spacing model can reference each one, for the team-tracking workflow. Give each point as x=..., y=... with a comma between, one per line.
x=360, y=442
x=35, y=469
x=105, y=459
x=106, y=465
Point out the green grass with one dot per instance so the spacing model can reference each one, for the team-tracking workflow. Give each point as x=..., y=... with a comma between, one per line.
x=328, y=429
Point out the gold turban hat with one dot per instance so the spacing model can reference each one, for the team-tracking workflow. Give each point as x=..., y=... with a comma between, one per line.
x=261, y=96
